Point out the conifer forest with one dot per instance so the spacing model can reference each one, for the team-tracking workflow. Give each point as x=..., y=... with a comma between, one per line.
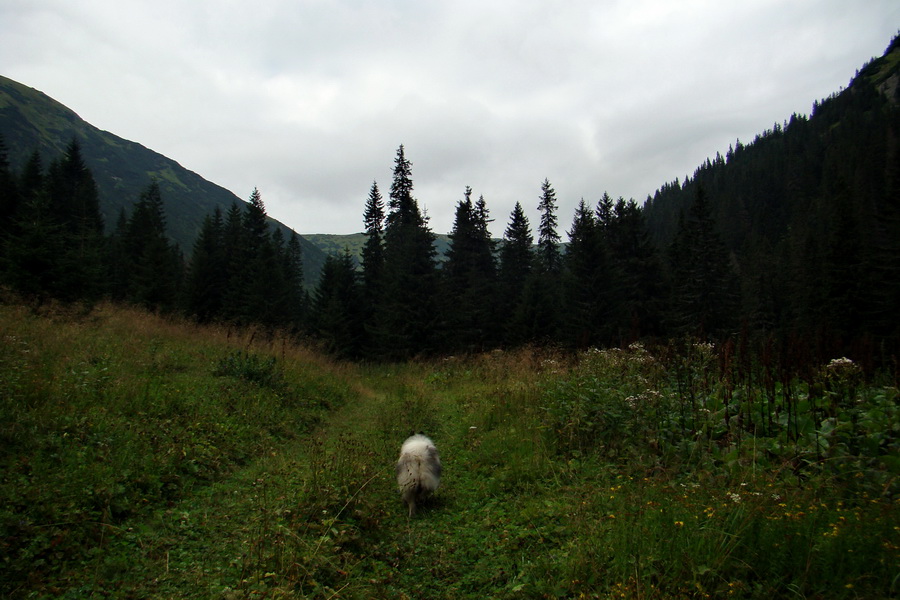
x=793, y=236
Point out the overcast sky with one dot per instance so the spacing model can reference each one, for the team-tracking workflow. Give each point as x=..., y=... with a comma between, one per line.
x=308, y=100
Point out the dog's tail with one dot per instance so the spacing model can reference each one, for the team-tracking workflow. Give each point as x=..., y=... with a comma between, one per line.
x=409, y=473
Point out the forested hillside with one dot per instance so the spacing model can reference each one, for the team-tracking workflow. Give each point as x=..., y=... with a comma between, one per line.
x=809, y=214
x=33, y=123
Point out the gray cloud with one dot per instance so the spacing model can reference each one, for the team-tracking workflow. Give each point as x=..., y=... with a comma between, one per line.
x=309, y=100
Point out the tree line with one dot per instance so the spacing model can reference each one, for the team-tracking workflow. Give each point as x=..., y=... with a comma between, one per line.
x=613, y=282
x=53, y=245
x=605, y=287
x=809, y=214
x=400, y=301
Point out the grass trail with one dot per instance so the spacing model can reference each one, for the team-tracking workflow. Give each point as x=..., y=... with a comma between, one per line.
x=321, y=517
x=148, y=459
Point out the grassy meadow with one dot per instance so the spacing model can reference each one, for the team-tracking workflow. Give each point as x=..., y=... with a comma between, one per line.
x=142, y=457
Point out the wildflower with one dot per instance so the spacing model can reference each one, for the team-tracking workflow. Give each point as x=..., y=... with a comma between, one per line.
x=705, y=347
x=679, y=523
x=734, y=497
x=840, y=363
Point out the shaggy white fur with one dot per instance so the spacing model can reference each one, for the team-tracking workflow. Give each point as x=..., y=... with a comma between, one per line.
x=418, y=470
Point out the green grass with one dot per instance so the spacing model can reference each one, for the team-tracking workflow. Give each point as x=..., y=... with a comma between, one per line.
x=149, y=459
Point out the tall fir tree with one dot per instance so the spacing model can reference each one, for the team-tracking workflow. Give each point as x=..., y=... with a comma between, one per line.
x=548, y=238
x=638, y=273
x=372, y=255
x=515, y=269
x=538, y=318
x=469, y=278
x=704, y=287
x=252, y=265
x=588, y=285
x=207, y=280
x=233, y=242
x=337, y=307
x=264, y=277
x=75, y=205
x=154, y=264
x=35, y=241
x=297, y=301
x=406, y=316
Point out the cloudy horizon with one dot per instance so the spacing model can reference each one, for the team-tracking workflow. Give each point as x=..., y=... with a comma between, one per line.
x=308, y=101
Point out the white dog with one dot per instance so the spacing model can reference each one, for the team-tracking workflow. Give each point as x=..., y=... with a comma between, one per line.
x=418, y=470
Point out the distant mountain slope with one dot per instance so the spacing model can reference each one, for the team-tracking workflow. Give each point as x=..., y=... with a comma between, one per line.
x=30, y=120
x=354, y=242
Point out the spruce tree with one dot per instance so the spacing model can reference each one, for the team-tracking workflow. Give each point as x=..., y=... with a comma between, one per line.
x=154, y=263
x=296, y=297
x=605, y=211
x=469, y=277
x=233, y=244
x=637, y=271
x=75, y=205
x=538, y=316
x=548, y=238
x=35, y=242
x=337, y=309
x=207, y=276
x=251, y=264
x=588, y=286
x=406, y=316
x=516, y=265
x=277, y=295
x=372, y=256
x=261, y=275
x=53, y=243
x=704, y=294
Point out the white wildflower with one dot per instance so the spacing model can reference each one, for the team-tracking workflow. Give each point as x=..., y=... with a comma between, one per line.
x=840, y=363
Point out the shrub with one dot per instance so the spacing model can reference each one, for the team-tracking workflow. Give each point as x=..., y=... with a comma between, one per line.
x=263, y=371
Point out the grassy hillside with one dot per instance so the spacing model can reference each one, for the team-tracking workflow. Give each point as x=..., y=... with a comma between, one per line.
x=147, y=458
x=30, y=120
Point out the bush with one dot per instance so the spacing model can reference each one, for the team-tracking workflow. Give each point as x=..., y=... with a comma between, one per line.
x=263, y=371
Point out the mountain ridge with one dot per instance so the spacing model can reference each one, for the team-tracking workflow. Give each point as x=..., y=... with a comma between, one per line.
x=31, y=120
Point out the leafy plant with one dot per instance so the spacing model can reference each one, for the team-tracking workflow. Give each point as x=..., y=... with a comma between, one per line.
x=250, y=367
